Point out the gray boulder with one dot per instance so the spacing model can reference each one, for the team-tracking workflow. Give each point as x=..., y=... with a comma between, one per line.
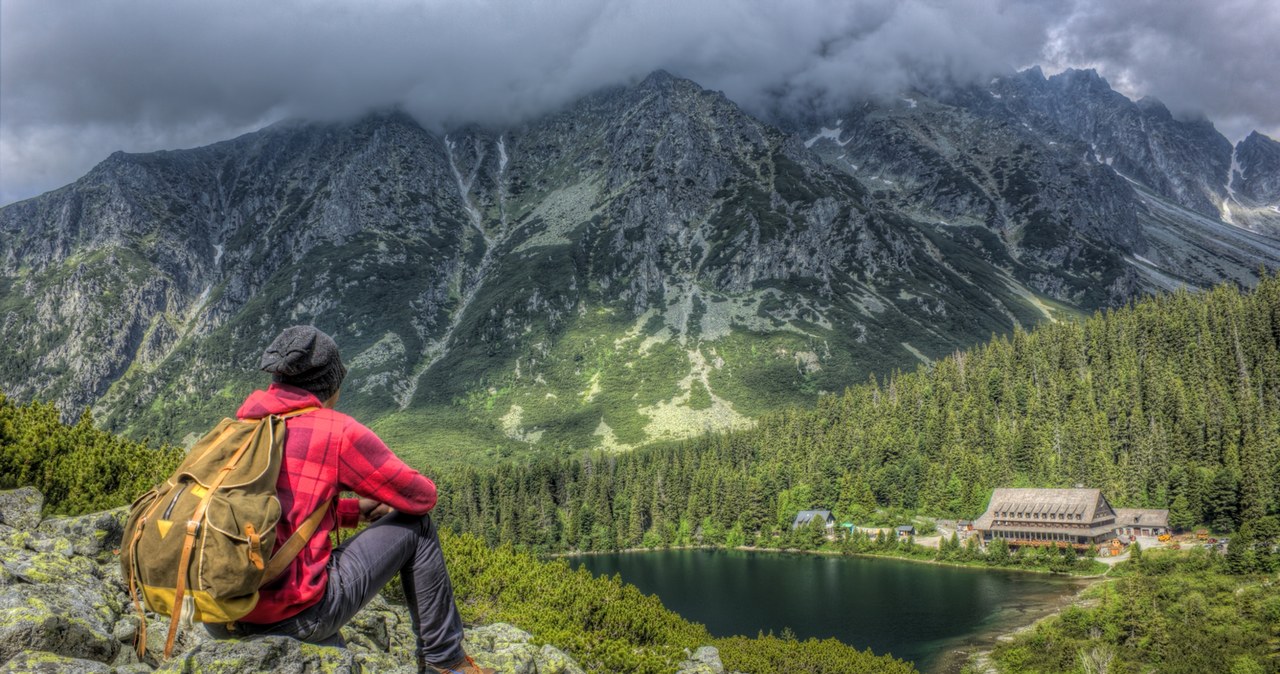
x=381, y=636
x=50, y=544
x=41, y=662
x=89, y=535
x=72, y=621
x=125, y=632
x=705, y=660
x=510, y=649
x=20, y=508
x=48, y=567
x=280, y=655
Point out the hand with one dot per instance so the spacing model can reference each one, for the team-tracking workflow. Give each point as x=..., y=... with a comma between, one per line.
x=372, y=511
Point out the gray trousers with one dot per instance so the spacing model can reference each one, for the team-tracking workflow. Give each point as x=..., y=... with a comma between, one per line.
x=361, y=566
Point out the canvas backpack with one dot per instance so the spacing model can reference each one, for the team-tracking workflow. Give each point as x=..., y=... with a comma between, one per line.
x=199, y=544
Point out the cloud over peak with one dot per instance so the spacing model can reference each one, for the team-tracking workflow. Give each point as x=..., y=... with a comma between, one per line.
x=80, y=79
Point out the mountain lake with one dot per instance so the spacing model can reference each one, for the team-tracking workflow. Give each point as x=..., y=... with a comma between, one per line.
x=930, y=614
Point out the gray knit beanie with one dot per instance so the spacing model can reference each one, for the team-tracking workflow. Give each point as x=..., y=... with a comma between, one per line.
x=305, y=357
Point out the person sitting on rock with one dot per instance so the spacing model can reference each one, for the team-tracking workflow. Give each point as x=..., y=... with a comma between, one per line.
x=326, y=452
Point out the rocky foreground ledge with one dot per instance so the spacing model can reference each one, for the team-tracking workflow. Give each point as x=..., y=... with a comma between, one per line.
x=65, y=608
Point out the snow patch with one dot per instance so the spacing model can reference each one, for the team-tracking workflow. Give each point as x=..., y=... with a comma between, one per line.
x=502, y=154
x=911, y=102
x=217, y=253
x=833, y=134
x=995, y=95
x=464, y=189
x=1231, y=172
x=1231, y=193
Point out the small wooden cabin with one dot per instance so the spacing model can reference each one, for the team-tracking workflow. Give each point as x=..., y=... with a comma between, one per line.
x=804, y=517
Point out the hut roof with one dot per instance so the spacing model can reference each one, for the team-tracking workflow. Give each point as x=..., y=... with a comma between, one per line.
x=805, y=516
x=1142, y=517
x=1047, y=507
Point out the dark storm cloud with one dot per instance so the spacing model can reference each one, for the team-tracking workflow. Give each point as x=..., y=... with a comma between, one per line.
x=80, y=78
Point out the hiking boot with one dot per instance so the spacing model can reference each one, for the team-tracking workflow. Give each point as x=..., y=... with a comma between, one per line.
x=464, y=666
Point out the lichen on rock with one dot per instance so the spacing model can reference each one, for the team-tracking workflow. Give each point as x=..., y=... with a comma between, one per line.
x=20, y=508
x=43, y=662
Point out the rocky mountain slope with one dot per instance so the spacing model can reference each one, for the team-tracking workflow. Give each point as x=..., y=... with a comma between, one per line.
x=647, y=264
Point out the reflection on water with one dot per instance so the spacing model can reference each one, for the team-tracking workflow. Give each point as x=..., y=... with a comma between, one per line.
x=915, y=611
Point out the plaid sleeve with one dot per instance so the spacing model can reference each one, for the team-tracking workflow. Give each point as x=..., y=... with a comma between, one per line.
x=370, y=469
x=348, y=513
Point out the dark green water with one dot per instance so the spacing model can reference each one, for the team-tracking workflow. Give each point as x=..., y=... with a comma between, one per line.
x=919, y=612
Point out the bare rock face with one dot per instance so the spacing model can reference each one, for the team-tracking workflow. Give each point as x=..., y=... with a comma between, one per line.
x=1255, y=176
x=1187, y=161
x=648, y=263
x=1078, y=192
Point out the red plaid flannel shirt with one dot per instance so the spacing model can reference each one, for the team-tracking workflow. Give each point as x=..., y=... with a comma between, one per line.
x=325, y=452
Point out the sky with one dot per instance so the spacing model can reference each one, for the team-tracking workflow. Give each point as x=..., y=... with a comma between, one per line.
x=80, y=79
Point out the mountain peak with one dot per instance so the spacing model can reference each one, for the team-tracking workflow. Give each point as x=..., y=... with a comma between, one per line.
x=1087, y=78
x=1256, y=137
x=663, y=81
x=658, y=76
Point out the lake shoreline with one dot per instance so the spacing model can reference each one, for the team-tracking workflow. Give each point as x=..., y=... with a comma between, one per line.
x=829, y=553
x=937, y=645
x=984, y=642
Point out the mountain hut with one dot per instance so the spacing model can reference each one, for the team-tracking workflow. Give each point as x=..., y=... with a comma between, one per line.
x=1048, y=517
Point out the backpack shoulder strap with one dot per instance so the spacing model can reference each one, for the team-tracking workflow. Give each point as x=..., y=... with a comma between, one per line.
x=291, y=547
x=287, y=552
x=295, y=413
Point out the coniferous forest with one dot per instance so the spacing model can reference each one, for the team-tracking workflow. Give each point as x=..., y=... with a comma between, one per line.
x=1171, y=402
x=78, y=468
